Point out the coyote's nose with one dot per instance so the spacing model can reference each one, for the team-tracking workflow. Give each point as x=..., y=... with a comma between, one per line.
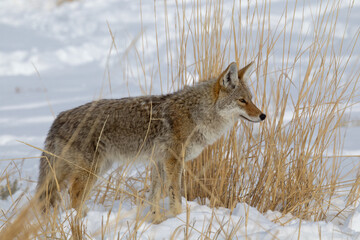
x=262, y=116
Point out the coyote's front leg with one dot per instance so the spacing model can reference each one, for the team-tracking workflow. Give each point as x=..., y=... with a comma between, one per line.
x=173, y=169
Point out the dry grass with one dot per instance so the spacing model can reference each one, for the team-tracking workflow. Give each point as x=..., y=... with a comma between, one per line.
x=289, y=163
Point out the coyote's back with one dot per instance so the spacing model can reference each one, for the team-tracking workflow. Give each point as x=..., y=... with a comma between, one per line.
x=167, y=129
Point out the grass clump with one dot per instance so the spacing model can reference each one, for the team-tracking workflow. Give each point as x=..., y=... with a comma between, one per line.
x=9, y=189
x=291, y=162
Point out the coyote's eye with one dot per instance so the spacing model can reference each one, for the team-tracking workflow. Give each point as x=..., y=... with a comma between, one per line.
x=242, y=100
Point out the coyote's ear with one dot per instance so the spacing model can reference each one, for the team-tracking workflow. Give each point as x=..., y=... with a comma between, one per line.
x=244, y=73
x=229, y=78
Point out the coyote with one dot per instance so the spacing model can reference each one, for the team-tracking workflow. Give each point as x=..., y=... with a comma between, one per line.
x=169, y=129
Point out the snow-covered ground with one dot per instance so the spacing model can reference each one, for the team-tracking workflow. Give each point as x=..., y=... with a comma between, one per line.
x=53, y=58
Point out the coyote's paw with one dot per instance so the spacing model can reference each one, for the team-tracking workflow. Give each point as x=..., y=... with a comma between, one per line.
x=81, y=212
x=157, y=218
x=176, y=210
x=84, y=211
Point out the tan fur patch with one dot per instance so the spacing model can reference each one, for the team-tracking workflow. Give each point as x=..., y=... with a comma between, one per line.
x=216, y=90
x=252, y=110
x=242, y=71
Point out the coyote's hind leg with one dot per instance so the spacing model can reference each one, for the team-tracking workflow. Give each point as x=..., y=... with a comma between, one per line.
x=81, y=184
x=157, y=176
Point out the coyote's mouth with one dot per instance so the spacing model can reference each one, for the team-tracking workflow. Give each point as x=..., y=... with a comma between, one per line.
x=247, y=118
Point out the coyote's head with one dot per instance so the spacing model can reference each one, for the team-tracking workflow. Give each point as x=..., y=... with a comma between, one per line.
x=234, y=96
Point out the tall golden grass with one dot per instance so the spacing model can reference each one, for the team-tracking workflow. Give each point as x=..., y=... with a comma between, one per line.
x=304, y=81
x=291, y=162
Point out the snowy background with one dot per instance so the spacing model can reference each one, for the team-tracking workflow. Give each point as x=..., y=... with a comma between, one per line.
x=53, y=58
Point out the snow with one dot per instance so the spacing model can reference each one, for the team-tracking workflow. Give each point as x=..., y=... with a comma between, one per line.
x=53, y=58
x=224, y=224
x=353, y=222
